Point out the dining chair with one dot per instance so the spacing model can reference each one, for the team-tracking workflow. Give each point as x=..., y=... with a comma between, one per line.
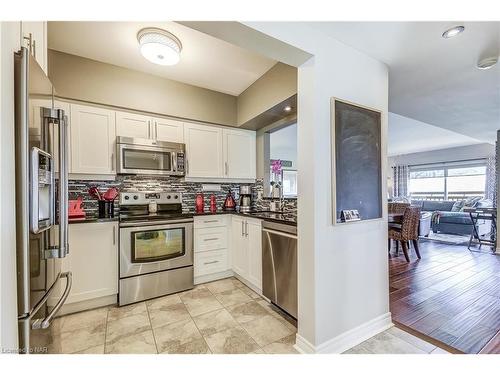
x=407, y=232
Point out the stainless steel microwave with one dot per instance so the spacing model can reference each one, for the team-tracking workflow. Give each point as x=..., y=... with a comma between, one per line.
x=149, y=157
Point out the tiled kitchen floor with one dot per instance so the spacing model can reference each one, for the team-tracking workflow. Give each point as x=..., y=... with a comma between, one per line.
x=218, y=317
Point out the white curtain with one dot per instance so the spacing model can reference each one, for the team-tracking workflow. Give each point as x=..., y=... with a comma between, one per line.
x=491, y=179
x=401, y=175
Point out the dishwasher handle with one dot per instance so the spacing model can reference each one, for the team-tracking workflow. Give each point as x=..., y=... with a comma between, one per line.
x=284, y=234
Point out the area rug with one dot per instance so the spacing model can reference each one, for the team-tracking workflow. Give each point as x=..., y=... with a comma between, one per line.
x=452, y=239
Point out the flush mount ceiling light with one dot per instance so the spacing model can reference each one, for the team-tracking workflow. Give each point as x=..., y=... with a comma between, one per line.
x=454, y=31
x=487, y=63
x=159, y=46
x=287, y=108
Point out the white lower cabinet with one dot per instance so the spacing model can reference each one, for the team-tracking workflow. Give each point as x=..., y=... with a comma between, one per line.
x=246, y=246
x=211, y=248
x=93, y=261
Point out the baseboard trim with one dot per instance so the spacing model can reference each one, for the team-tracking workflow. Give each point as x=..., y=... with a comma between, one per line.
x=71, y=308
x=346, y=340
x=212, y=277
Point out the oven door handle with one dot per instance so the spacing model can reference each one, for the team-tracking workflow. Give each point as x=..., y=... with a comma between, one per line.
x=138, y=224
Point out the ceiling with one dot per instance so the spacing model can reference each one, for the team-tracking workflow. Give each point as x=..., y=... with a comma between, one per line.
x=205, y=61
x=407, y=136
x=432, y=79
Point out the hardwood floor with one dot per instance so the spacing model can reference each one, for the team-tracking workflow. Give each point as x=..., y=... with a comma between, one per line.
x=451, y=295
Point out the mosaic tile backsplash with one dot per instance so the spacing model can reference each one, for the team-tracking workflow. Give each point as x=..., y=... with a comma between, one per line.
x=188, y=189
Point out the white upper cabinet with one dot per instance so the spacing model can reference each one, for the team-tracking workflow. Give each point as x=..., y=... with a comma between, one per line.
x=92, y=140
x=36, y=32
x=239, y=153
x=141, y=126
x=133, y=125
x=168, y=130
x=203, y=151
x=214, y=152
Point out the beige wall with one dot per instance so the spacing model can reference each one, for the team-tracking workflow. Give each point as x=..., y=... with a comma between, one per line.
x=79, y=78
x=278, y=84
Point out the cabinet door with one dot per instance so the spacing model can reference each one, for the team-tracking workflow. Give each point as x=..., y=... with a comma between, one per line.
x=92, y=140
x=38, y=31
x=168, y=130
x=254, y=239
x=133, y=125
x=239, y=153
x=203, y=151
x=239, y=247
x=93, y=260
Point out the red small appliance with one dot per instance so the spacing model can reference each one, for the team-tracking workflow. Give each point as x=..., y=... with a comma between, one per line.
x=229, y=203
x=213, y=204
x=75, y=210
x=199, y=203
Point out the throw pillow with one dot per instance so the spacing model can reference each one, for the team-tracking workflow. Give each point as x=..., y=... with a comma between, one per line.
x=471, y=202
x=457, y=206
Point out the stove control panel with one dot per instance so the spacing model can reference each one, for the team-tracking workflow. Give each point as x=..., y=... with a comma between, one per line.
x=145, y=197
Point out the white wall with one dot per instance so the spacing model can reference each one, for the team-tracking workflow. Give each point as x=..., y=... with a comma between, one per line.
x=343, y=272
x=283, y=144
x=10, y=42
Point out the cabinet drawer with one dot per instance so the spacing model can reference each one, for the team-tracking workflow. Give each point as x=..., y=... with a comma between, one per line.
x=209, y=221
x=210, y=262
x=210, y=239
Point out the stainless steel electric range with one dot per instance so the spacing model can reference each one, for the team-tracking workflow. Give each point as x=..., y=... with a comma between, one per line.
x=156, y=246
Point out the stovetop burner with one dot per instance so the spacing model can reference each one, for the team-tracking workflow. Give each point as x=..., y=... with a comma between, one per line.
x=135, y=206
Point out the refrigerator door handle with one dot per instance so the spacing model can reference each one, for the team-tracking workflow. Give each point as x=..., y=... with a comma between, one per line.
x=63, y=185
x=45, y=323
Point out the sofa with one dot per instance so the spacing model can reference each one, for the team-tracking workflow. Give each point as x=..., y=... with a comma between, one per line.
x=448, y=217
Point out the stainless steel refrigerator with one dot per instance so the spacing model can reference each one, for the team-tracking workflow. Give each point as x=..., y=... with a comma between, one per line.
x=41, y=204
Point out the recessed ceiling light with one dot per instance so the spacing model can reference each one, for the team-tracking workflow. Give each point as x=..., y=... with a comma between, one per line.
x=159, y=46
x=287, y=108
x=487, y=63
x=454, y=31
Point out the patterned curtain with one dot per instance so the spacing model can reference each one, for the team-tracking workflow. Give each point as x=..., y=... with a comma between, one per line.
x=401, y=175
x=491, y=179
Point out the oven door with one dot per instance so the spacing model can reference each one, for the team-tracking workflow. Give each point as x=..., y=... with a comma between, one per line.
x=149, y=160
x=152, y=246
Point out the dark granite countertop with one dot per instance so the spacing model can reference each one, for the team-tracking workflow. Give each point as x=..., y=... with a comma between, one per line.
x=92, y=219
x=280, y=217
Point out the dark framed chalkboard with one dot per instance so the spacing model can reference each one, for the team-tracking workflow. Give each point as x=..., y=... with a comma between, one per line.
x=356, y=160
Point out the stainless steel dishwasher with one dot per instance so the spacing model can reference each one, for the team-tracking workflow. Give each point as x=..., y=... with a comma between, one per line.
x=279, y=265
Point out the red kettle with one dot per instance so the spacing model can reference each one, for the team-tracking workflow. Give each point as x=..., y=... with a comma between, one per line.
x=199, y=203
x=229, y=203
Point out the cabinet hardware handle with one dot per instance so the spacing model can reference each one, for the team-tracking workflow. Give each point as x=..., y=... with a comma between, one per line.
x=242, y=228
x=246, y=228
x=211, y=239
x=34, y=49
x=29, y=38
x=212, y=262
x=226, y=168
x=114, y=235
x=187, y=166
x=112, y=162
x=210, y=221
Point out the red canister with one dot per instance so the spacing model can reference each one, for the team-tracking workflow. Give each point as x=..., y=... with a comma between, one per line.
x=200, y=203
x=213, y=204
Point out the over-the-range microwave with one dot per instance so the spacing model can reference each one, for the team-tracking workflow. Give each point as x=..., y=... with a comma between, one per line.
x=149, y=157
